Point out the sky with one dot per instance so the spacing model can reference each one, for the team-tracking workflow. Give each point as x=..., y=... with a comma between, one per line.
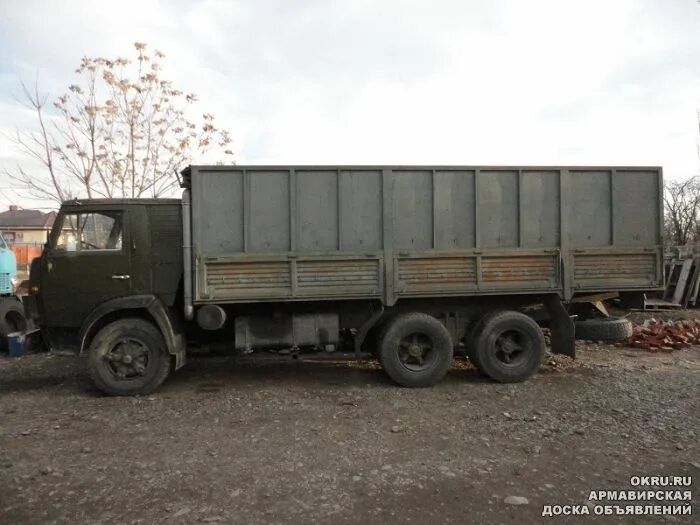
x=469, y=82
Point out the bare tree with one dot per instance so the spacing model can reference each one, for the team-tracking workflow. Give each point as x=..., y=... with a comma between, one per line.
x=682, y=208
x=697, y=140
x=119, y=131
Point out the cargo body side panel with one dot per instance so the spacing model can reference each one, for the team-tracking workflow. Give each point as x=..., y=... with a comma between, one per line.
x=300, y=233
x=616, y=229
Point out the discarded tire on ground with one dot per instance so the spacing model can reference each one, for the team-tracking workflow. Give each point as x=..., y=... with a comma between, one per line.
x=415, y=350
x=507, y=346
x=128, y=357
x=607, y=329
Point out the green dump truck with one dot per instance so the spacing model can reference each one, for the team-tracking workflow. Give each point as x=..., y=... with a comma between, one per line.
x=411, y=264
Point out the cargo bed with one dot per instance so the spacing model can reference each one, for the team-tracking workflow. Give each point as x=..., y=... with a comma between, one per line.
x=312, y=233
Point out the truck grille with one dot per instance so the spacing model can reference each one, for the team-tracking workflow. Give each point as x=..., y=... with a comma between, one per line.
x=5, y=283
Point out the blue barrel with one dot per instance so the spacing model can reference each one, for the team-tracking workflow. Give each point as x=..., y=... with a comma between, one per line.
x=15, y=344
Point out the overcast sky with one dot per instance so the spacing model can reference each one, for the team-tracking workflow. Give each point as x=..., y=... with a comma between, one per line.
x=412, y=82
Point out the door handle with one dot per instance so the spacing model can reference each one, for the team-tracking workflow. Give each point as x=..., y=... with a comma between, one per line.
x=121, y=277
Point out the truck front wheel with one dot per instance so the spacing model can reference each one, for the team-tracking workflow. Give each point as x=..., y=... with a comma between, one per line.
x=128, y=357
x=415, y=350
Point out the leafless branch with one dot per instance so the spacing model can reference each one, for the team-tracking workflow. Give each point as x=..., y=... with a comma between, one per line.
x=119, y=131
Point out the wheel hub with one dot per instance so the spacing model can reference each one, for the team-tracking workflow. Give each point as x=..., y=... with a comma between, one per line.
x=129, y=358
x=415, y=350
x=509, y=348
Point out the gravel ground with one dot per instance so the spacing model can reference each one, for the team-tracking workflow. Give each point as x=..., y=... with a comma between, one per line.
x=229, y=440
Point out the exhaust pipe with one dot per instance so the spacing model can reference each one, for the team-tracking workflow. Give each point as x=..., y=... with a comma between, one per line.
x=187, y=254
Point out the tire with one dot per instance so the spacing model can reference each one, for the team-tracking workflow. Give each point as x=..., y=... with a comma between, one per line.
x=509, y=346
x=415, y=350
x=148, y=363
x=608, y=329
x=12, y=318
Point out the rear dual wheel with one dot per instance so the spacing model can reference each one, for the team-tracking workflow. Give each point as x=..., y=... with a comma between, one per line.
x=415, y=350
x=507, y=346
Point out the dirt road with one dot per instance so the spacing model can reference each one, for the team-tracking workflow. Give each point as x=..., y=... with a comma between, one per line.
x=235, y=441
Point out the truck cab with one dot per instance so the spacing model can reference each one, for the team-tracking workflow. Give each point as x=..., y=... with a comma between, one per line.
x=106, y=260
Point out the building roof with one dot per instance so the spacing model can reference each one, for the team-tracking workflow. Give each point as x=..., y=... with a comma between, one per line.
x=27, y=219
x=121, y=201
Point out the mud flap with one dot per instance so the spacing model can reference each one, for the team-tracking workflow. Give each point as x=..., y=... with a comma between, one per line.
x=172, y=330
x=364, y=330
x=561, y=327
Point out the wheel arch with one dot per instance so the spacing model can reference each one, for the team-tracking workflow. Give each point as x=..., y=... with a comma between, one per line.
x=147, y=307
x=12, y=304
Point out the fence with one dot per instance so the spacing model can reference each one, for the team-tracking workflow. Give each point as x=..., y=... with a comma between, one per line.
x=24, y=253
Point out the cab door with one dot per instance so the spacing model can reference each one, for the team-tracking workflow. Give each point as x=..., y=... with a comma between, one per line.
x=87, y=263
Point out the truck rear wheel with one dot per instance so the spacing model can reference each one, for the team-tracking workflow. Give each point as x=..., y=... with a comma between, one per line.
x=128, y=357
x=508, y=346
x=415, y=350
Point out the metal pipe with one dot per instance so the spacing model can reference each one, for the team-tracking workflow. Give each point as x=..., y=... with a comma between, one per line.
x=187, y=254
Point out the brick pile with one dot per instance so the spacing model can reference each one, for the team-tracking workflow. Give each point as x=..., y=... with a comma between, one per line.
x=665, y=336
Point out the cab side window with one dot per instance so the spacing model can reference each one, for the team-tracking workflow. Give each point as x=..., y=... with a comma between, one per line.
x=84, y=232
